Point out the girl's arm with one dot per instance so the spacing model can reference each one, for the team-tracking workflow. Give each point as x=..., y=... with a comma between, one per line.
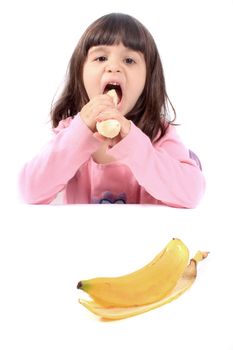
x=164, y=169
x=47, y=174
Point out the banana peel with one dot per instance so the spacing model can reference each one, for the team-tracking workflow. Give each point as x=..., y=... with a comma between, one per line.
x=144, y=286
x=117, y=313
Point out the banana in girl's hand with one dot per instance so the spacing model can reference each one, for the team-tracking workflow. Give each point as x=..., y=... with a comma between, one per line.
x=109, y=128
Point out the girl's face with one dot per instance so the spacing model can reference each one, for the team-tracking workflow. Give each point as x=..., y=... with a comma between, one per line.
x=116, y=66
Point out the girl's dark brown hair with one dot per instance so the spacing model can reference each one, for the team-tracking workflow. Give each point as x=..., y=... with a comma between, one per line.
x=151, y=109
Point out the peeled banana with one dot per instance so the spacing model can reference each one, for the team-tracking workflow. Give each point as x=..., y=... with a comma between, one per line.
x=109, y=128
x=183, y=283
x=112, y=93
x=147, y=285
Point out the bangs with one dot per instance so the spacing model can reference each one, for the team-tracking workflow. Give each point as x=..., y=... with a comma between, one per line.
x=114, y=29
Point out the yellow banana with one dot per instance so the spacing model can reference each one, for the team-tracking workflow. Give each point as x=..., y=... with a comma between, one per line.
x=184, y=283
x=144, y=286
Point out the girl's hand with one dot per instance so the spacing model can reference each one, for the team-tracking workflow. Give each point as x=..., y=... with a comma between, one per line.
x=94, y=108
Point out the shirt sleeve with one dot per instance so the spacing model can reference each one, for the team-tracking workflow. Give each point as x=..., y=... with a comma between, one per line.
x=163, y=168
x=47, y=174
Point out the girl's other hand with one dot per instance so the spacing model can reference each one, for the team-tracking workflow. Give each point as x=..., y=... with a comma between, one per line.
x=94, y=108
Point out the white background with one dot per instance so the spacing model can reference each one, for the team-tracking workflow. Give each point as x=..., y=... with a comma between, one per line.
x=46, y=250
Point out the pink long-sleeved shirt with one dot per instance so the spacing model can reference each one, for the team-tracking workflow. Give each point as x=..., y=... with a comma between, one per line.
x=142, y=172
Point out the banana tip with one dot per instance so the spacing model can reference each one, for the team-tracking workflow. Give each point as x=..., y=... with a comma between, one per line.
x=79, y=285
x=205, y=254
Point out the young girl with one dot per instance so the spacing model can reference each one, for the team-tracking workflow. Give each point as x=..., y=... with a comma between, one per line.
x=146, y=162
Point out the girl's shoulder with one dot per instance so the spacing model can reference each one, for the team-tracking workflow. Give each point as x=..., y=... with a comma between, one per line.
x=170, y=132
x=64, y=123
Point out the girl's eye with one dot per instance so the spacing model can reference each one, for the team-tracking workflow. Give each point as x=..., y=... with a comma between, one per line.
x=129, y=60
x=101, y=58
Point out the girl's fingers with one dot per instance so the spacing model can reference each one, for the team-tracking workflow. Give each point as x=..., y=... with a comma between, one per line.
x=93, y=108
x=102, y=99
x=102, y=108
x=109, y=114
x=99, y=137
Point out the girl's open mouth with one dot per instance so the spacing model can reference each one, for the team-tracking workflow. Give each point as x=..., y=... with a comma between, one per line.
x=116, y=87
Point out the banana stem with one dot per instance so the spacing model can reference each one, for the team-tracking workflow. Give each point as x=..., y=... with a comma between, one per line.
x=199, y=256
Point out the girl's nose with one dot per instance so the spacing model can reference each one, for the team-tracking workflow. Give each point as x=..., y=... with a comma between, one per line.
x=113, y=68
